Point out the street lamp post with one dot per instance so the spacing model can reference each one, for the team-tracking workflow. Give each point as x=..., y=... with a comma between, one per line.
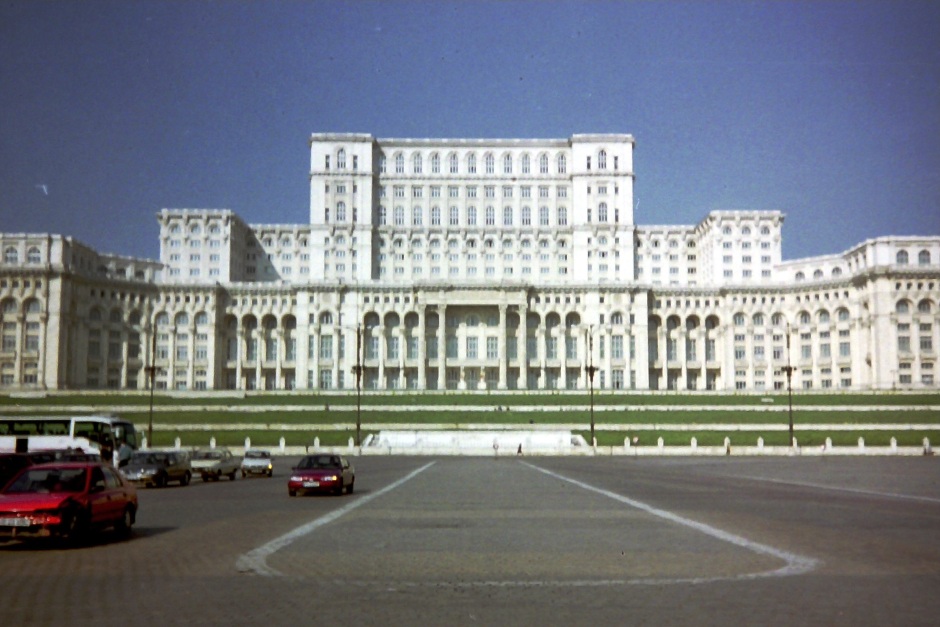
x=590, y=373
x=788, y=369
x=152, y=371
x=358, y=370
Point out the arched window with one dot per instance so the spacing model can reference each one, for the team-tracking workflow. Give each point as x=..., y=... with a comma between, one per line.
x=818, y=274
x=842, y=314
x=341, y=211
x=435, y=164
x=115, y=316
x=616, y=318
x=764, y=230
x=202, y=319
x=8, y=307
x=543, y=164
x=924, y=306
x=525, y=163
x=739, y=319
x=800, y=276
x=326, y=318
x=562, y=164
x=903, y=307
x=602, y=160
x=923, y=258
x=399, y=163
x=507, y=164
x=162, y=319
x=777, y=320
x=182, y=319
x=416, y=163
x=10, y=255
x=341, y=158
x=507, y=216
x=602, y=212
x=33, y=307
x=758, y=320
x=490, y=163
x=902, y=258
x=804, y=317
x=746, y=230
x=823, y=317
x=471, y=163
x=33, y=255
x=94, y=315
x=837, y=271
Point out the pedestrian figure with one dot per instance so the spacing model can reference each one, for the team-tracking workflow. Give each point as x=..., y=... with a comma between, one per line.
x=519, y=452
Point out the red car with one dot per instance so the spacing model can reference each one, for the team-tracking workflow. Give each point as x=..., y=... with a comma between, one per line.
x=66, y=500
x=322, y=473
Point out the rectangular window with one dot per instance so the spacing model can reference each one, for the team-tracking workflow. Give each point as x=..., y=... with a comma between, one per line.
x=492, y=348
x=326, y=347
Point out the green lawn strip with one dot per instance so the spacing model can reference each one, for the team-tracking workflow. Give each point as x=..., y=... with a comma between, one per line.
x=470, y=399
x=771, y=438
x=451, y=419
x=271, y=438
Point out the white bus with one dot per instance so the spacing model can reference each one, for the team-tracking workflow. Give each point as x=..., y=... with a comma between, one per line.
x=91, y=434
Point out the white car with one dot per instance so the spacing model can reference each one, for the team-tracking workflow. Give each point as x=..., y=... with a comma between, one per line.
x=257, y=462
x=213, y=463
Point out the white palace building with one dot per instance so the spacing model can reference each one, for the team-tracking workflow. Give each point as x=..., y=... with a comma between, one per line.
x=469, y=264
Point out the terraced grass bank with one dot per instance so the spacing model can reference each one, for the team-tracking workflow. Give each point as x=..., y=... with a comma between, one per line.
x=642, y=420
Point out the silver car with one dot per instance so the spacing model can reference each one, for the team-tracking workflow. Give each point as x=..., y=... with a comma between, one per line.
x=257, y=463
x=215, y=462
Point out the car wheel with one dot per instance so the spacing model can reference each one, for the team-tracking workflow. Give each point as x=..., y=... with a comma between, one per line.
x=160, y=481
x=123, y=525
x=270, y=473
x=186, y=478
x=352, y=485
x=205, y=477
x=292, y=492
x=231, y=476
x=339, y=491
x=73, y=526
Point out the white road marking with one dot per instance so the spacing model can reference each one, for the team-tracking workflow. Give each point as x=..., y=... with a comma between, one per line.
x=819, y=486
x=793, y=564
x=256, y=560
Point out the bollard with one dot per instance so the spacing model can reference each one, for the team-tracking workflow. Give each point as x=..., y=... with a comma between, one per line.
x=760, y=444
x=626, y=442
x=178, y=443
x=316, y=442
x=351, y=443
x=283, y=444
x=659, y=443
x=828, y=445
x=144, y=443
x=247, y=443
x=694, y=443
x=727, y=446
x=212, y=442
x=927, y=449
x=894, y=445
x=861, y=444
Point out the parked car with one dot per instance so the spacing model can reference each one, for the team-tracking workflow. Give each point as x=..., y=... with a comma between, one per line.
x=66, y=500
x=213, y=463
x=157, y=468
x=322, y=473
x=257, y=463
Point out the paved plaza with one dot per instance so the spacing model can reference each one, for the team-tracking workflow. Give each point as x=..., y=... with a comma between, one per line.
x=467, y=541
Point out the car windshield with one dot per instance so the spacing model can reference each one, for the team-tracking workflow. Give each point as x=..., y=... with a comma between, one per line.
x=48, y=480
x=208, y=455
x=319, y=461
x=147, y=459
x=257, y=455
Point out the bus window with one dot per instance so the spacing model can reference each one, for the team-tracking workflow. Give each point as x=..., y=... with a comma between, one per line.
x=125, y=432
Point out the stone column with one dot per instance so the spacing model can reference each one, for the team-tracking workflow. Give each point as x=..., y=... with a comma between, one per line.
x=422, y=348
x=442, y=347
x=383, y=354
x=522, y=347
x=501, y=347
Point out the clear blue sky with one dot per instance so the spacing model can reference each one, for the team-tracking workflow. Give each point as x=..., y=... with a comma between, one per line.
x=827, y=111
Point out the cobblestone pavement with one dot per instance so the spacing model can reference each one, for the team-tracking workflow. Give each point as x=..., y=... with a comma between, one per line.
x=472, y=541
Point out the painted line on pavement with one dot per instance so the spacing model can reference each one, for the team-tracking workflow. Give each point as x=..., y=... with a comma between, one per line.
x=794, y=564
x=255, y=561
x=819, y=486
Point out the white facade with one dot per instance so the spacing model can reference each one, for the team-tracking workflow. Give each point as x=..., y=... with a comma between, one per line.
x=469, y=264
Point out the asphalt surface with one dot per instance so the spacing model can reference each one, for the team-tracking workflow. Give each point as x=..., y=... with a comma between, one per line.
x=520, y=541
